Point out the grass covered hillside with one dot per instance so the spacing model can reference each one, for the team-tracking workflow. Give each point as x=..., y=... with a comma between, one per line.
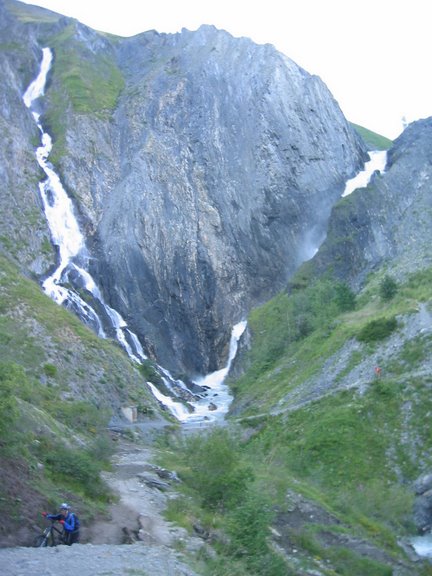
x=372, y=140
x=322, y=448
x=60, y=385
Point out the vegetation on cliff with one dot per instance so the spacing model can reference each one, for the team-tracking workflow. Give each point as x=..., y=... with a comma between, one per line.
x=84, y=80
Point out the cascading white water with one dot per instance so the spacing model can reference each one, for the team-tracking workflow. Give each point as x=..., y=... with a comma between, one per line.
x=377, y=162
x=66, y=235
x=214, y=403
x=422, y=545
x=73, y=258
x=213, y=406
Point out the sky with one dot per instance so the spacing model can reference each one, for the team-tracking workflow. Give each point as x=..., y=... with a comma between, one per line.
x=373, y=55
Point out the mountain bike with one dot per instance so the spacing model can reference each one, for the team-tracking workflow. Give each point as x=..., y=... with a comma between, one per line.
x=51, y=536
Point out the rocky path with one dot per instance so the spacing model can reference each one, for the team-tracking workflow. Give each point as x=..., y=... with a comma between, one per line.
x=137, y=516
x=93, y=560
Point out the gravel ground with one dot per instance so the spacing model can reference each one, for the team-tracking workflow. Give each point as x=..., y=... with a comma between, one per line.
x=93, y=560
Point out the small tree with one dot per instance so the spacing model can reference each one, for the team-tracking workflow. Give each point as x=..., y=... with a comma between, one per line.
x=388, y=288
x=248, y=525
x=345, y=297
x=216, y=470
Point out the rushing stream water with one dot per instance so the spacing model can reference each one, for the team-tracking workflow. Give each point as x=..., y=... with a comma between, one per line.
x=422, y=545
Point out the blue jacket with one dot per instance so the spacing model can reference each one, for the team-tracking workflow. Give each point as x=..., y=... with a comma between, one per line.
x=71, y=522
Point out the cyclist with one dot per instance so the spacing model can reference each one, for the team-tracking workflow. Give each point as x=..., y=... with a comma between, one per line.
x=70, y=523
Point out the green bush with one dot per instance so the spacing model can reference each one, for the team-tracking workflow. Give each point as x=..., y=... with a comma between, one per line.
x=290, y=318
x=345, y=298
x=101, y=448
x=388, y=288
x=377, y=330
x=10, y=378
x=216, y=470
x=78, y=469
x=50, y=370
x=149, y=372
x=14, y=385
x=78, y=415
x=248, y=526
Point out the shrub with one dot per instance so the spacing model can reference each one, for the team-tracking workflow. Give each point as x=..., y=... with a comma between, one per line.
x=10, y=376
x=50, y=370
x=79, y=414
x=345, y=297
x=149, y=372
x=248, y=526
x=14, y=385
x=377, y=330
x=290, y=318
x=216, y=471
x=78, y=468
x=388, y=288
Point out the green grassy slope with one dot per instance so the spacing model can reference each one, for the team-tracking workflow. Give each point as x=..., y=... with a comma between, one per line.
x=373, y=140
x=59, y=387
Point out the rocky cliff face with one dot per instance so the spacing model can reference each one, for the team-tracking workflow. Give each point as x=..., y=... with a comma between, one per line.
x=23, y=231
x=387, y=223
x=204, y=169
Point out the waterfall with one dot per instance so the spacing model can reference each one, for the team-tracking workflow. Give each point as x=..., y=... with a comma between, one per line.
x=218, y=393
x=66, y=235
x=377, y=162
x=71, y=276
x=213, y=403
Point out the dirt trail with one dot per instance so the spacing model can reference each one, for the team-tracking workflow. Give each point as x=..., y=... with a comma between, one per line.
x=140, y=507
x=137, y=515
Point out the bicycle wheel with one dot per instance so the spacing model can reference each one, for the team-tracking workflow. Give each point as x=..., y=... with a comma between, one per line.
x=41, y=541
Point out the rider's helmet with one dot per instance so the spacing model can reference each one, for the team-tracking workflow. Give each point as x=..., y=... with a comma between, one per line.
x=64, y=506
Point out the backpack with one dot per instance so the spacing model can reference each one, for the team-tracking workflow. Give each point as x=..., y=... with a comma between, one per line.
x=77, y=522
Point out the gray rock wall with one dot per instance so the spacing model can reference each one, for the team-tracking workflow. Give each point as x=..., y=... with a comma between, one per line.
x=389, y=221
x=230, y=159
x=24, y=234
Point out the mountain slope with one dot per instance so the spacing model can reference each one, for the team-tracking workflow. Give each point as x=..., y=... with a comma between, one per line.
x=373, y=140
x=61, y=387
x=205, y=170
